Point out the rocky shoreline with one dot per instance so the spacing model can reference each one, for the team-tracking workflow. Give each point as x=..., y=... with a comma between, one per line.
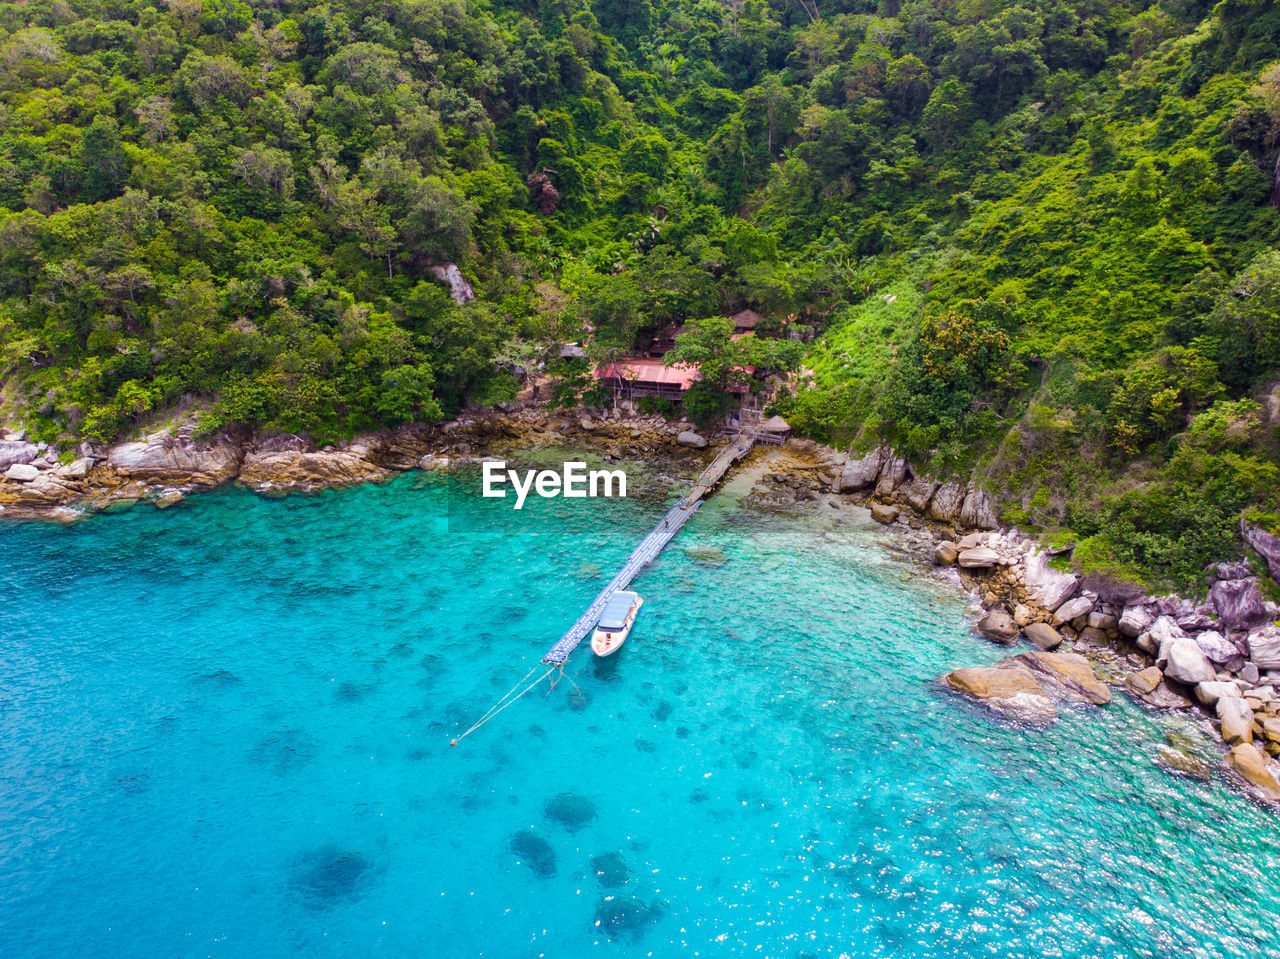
x=1085, y=638
x=1221, y=656
x=164, y=467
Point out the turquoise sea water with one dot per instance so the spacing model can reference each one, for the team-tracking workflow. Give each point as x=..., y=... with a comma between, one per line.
x=224, y=732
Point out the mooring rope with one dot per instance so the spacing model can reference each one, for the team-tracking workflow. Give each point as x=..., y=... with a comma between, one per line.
x=506, y=701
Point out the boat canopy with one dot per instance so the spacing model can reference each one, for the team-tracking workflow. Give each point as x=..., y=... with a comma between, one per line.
x=615, y=612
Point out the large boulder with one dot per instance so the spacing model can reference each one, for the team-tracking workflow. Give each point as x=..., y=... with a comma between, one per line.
x=1149, y=686
x=1066, y=675
x=1048, y=586
x=296, y=469
x=1264, y=647
x=918, y=493
x=1042, y=635
x=1209, y=693
x=1186, y=662
x=1237, y=720
x=1246, y=760
x=858, y=474
x=1144, y=681
x=998, y=626
x=884, y=513
x=1265, y=544
x=892, y=473
x=692, y=439
x=77, y=469
x=1072, y=609
x=173, y=461
x=946, y=553
x=1218, y=648
x=976, y=511
x=1162, y=632
x=1238, y=602
x=1135, y=621
x=980, y=557
x=946, y=502
x=16, y=451
x=21, y=473
x=1011, y=692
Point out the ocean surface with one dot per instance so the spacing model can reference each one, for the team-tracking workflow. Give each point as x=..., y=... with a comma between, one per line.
x=224, y=731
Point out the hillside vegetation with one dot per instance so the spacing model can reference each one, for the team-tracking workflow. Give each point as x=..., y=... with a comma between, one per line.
x=1032, y=241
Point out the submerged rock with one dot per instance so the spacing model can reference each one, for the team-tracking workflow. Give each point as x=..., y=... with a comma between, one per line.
x=534, y=851
x=625, y=916
x=329, y=874
x=707, y=556
x=1013, y=693
x=1179, y=763
x=611, y=870
x=570, y=810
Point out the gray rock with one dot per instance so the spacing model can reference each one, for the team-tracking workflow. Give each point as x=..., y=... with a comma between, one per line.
x=1217, y=647
x=1264, y=647
x=946, y=503
x=1135, y=621
x=860, y=473
x=1103, y=621
x=76, y=469
x=1048, y=586
x=1186, y=662
x=1042, y=635
x=1164, y=631
x=1237, y=720
x=892, y=473
x=974, y=539
x=175, y=462
x=1265, y=544
x=1209, y=693
x=1237, y=570
x=1072, y=609
x=999, y=627
x=918, y=493
x=16, y=451
x=1238, y=603
x=980, y=557
x=21, y=473
x=976, y=511
x=1249, y=674
x=693, y=439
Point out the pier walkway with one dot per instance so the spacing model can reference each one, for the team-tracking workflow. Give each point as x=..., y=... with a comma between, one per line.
x=652, y=545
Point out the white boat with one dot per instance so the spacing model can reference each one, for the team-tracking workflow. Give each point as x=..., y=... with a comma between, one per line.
x=615, y=623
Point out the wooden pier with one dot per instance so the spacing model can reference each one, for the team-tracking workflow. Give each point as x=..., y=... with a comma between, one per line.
x=737, y=448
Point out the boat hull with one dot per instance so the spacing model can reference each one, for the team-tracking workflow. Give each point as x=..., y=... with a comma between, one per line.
x=607, y=642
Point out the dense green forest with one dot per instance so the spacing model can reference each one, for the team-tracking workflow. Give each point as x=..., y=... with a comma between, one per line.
x=1029, y=240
